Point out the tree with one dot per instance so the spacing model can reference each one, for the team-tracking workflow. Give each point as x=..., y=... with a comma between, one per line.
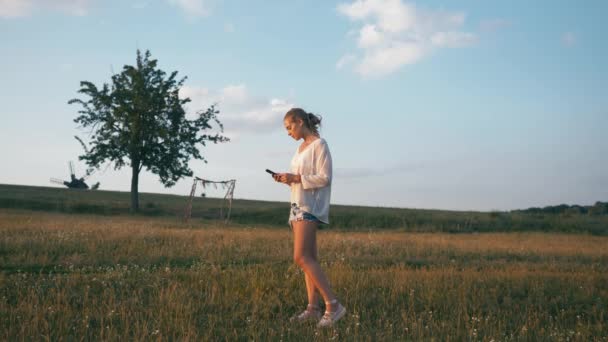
x=599, y=208
x=140, y=120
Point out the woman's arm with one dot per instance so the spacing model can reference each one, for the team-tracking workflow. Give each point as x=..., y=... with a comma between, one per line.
x=322, y=175
x=287, y=178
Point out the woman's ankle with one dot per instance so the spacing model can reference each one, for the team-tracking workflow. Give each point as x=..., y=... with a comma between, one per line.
x=313, y=307
x=332, y=305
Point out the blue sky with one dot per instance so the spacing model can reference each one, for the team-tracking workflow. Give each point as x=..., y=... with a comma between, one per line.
x=464, y=105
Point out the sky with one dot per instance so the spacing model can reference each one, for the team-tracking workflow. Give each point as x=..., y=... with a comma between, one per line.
x=458, y=105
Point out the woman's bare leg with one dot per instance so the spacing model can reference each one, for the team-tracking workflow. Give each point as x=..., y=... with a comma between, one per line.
x=311, y=289
x=304, y=254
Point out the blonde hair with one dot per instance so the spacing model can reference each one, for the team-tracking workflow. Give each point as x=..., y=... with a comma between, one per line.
x=310, y=120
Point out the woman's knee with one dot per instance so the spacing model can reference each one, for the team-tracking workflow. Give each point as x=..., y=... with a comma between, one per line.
x=303, y=260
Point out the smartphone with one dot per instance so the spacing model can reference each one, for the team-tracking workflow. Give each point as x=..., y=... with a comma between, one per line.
x=271, y=172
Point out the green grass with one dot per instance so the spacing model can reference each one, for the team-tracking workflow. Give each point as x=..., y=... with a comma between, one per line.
x=120, y=277
x=248, y=212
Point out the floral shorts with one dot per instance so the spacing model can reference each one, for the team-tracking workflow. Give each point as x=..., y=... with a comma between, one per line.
x=297, y=214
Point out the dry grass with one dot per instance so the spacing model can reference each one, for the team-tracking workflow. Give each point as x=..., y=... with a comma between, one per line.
x=92, y=277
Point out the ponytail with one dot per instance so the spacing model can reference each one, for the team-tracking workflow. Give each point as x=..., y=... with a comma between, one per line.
x=311, y=121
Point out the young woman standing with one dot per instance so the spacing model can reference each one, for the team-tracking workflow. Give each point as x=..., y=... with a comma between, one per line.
x=310, y=181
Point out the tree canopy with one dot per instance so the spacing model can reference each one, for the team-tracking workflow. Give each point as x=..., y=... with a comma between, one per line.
x=139, y=120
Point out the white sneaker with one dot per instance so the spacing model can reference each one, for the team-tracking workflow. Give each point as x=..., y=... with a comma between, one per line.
x=311, y=313
x=329, y=318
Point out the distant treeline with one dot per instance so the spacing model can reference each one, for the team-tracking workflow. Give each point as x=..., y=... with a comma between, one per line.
x=599, y=208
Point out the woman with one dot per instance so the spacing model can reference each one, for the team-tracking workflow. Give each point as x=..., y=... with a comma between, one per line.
x=310, y=182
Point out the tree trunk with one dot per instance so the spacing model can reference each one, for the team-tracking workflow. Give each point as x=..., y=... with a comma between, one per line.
x=134, y=188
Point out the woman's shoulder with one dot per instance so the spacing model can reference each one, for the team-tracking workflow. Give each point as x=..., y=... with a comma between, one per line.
x=321, y=146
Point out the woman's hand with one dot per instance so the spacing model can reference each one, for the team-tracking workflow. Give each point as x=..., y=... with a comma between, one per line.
x=286, y=178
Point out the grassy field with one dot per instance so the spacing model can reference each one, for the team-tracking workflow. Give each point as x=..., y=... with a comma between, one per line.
x=274, y=214
x=118, y=277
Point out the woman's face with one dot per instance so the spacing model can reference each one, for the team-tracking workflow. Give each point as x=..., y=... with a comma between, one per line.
x=294, y=127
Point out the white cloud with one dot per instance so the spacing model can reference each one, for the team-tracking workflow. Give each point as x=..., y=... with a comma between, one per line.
x=15, y=8
x=193, y=8
x=370, y=36
x=378, y=62
x=235, y=94
x=240, y=111
x=391, y=15
x=22, y=8
x=394, y=33
x=569, y=39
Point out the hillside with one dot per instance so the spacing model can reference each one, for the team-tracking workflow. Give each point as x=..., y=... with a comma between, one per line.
x=250, y=212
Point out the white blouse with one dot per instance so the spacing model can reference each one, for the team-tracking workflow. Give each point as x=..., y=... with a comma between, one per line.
x=314, y=166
